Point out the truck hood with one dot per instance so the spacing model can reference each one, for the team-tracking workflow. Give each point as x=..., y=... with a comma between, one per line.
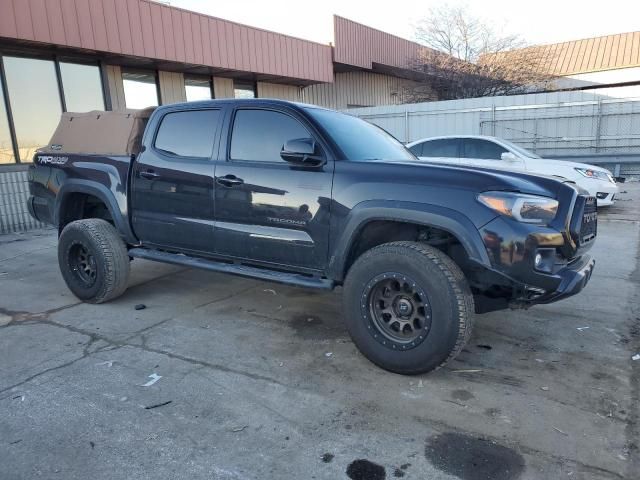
x=479, y=179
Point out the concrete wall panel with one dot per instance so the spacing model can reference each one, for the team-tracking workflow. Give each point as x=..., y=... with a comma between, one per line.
x=276, y=90
x=171, y=87
x=116, y=87
x=223, y=87
x=352, y=89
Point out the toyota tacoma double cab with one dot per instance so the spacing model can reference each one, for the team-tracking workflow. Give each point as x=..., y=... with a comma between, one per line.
x=315, y=198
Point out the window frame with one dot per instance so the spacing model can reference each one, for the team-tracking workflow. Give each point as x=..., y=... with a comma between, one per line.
x=56, y=59
x=134, y=70
x=209, y=79
x=12, y=127
x=173, y=157
x=7, y=104
x=457, y=140
x=299, y=119
x=60, y=60
x=254, y=87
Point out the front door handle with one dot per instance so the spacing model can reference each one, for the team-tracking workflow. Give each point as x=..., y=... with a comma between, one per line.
x=229, y=180
x=149, y=174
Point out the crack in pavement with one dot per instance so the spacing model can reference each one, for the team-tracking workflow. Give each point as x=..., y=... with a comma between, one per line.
x=632, y=431
x=43, y=318
x=94, y=337
x=30, y=252
x=174, y=316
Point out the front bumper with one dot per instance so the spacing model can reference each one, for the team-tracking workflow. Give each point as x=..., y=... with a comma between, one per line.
x=573, y=279
x=563, y=268
x=604, y=191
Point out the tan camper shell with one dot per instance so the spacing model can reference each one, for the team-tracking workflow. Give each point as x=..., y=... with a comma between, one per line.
x=100, y=133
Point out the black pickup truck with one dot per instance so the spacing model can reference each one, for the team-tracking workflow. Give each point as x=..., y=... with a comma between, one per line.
x=311, y=197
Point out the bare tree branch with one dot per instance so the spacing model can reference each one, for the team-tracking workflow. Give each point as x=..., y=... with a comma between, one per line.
x=465, y=57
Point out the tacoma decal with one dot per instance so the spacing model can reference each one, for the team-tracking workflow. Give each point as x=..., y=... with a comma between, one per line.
x=287, y=221
x=52, y=160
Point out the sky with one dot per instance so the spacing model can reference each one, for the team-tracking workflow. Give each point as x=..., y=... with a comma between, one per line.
x=536, y=21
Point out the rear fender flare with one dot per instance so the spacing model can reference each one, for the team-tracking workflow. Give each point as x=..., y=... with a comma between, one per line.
x=105, y=195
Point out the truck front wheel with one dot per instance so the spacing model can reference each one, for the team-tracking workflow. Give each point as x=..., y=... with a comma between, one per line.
x=93, y=260
x=408, y=307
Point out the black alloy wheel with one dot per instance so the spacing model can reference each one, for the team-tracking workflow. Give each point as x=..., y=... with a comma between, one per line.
x=83, y=264
x=399, y=310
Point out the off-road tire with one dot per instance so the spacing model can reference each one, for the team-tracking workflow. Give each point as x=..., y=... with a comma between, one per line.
x=107, y=254
x=449, y=305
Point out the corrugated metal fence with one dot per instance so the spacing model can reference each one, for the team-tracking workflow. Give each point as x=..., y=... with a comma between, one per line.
x=577, y=125
x=14, y=191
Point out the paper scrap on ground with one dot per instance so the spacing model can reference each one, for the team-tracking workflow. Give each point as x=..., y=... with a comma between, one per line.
x=154, y=378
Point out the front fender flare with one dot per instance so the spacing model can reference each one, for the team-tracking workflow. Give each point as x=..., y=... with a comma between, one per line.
x=437, y=216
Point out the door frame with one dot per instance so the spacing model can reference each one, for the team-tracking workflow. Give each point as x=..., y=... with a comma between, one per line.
x=148, y=143
x=224, y=158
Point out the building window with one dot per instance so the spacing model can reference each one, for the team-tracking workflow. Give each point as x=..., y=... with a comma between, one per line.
x=140, y=89
x=32, y=88
x=6, y=145
x=197, y=88
x=244, y=89
x=82, y=87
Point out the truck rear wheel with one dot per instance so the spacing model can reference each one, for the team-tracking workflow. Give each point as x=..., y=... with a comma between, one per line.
x=408, y=307
x=93, y=260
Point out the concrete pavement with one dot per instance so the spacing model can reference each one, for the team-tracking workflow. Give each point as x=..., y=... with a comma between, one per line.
x=261, y=381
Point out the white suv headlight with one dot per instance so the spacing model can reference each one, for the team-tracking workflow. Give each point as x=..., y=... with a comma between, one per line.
x=521, y=207
x=589, y=173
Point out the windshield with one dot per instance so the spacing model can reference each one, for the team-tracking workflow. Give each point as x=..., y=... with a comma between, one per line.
x=519, y=150
x=360, y=141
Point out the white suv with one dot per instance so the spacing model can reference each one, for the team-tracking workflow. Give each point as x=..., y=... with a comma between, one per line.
x=491, y=152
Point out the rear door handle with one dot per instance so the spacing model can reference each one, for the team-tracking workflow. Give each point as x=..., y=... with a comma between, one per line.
x=229, y=180
x=149, y=174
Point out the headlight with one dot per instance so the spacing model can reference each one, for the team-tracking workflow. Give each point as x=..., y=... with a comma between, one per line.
x=589, y=173
x=524, y=208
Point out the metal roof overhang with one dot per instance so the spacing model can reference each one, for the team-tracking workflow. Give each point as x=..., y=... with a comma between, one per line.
x=145, y=33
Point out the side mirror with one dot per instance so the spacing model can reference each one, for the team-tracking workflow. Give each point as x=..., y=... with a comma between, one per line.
x=509, y=157
x=301, y=151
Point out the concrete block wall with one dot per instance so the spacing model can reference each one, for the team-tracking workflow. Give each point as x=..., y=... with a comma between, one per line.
x=14, y=191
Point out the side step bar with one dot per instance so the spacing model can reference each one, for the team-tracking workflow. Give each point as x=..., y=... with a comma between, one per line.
x=242, y=270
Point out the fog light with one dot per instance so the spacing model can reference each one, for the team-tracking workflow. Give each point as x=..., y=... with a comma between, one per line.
x=538, y=260
x=544, y=260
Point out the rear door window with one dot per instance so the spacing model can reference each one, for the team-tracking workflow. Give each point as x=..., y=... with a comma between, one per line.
x=483, y=149
x=444, y=147
x=189, y=133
